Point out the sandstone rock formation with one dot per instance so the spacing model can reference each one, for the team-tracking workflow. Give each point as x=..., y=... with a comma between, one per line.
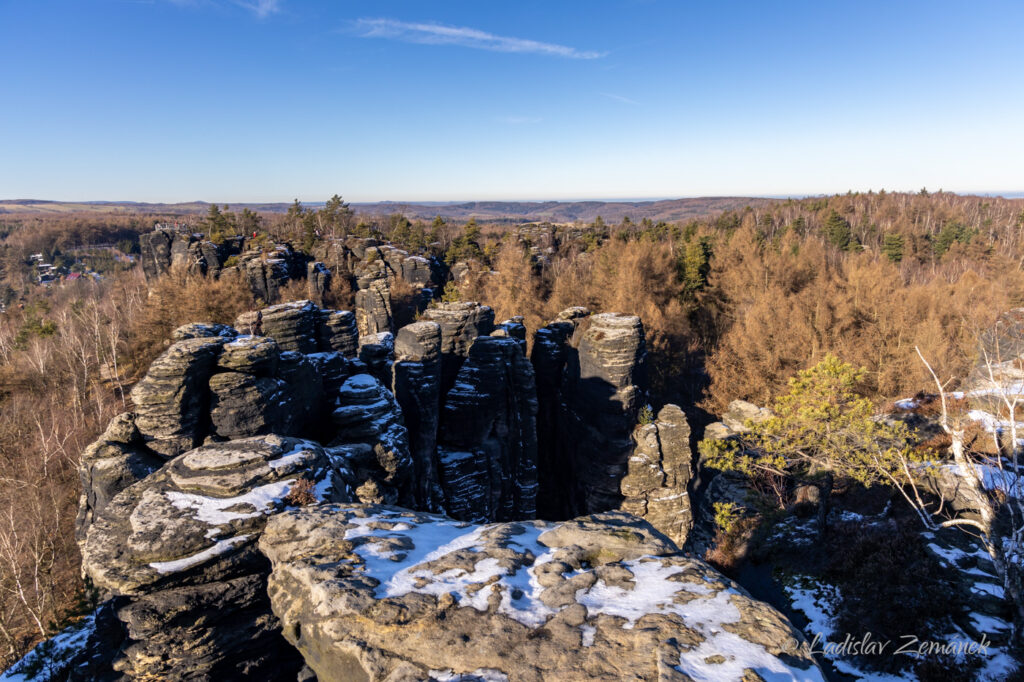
x=417, y=387
x=603, y=388
x=175, y=494
x=165, y=247
x=115, y=461
x=376, y=593
x=373, y=298
x=550, y=349
x=171, y=400
x=292, y=325
x=178, y=550
x=461, y=324
x=659, y=471
x=372, y=441
x=338, y=332
x=735, y=418
x=488, y=435
x=318, y=282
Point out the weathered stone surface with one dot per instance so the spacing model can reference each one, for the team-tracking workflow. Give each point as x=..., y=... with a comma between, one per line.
x=338, y=332
x=180, y=546
x=318, y=282
x=548, y=356
x=740, y=412
x=655, y=486
x=376, y=352
x=514, y=328
x=251, y=354
x=332, y=369
x=375, y=593
x=603, y=387
x=306, y=402
x=266, y=277
x=155, y=252
x=372, y=440
x=488, y=435
x=166, y=247
x=292, y=325
x=417, y=388
x=172, y=400
x=461, y=323
x=244, y=405
x=109, y=465
x=373, y=299
x=202, y=330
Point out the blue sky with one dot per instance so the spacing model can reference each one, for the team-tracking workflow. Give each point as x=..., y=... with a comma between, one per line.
x=267, y=100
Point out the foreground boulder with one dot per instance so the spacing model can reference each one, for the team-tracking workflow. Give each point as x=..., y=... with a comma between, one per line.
x=178, y=553
x=378, y=593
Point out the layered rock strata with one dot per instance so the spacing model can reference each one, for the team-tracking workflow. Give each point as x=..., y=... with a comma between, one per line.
x=178, y=551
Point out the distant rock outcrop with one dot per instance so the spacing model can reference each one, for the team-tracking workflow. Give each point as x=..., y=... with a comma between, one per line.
x=377, y=593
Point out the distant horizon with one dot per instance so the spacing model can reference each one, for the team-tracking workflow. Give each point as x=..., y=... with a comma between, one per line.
x=1016, y=194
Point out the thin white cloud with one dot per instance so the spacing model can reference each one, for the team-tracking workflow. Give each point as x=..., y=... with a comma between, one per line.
x=518, y=120
x=619, y=98
x=261, y=8
x=438, y=34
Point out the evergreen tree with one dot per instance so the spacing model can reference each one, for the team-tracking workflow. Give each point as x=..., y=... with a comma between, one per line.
x=821, y=429
x=892, y=246
x=837, y=231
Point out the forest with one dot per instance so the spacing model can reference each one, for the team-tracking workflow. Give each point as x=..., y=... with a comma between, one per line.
x=734, y=304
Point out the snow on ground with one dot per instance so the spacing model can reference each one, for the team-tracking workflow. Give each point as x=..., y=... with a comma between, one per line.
x=818, y=602
x=46, y=661
x=396, y=569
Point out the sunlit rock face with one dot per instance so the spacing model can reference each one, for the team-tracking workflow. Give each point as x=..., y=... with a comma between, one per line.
x=378, y=593
x=178, y=552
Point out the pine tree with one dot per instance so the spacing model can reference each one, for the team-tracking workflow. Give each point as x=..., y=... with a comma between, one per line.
x=892, y=246
x=837, y=231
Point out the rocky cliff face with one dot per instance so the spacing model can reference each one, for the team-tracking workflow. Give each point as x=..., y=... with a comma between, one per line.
x=215, y=384
x=373, y=299
x=178, y=551
x=658, y=473
x=591, y=384
x=550, y=350
x=292, y=408
x=417, y=386
x=461, y=324
x=488, y=435
x=375, y=593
